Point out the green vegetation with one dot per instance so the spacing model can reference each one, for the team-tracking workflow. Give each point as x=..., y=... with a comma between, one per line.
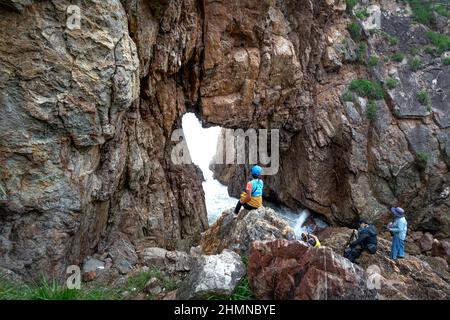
x=423, y=156
x=371, y=110
x=415, y=64
x=423, y=98
x=45, y=289
x=446, y=61
x=361, y=53
x=351, y=4
x=391, y=39
x=442, y=10
x=373, y=61
x=422, y=11
x=441, y=41
x=362, y=14
x=428, y=49
x=52, y=290
x=367, y=88
x=137, y=281
x=415, y=51
x=241, y=292
x=391, y=83
x=398, y=56
x=347, y=96
x=355, y=30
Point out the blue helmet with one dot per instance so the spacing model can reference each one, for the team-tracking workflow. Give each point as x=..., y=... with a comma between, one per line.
x=256, y=171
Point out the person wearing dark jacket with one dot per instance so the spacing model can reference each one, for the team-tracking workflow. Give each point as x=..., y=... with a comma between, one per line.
x=367, y=240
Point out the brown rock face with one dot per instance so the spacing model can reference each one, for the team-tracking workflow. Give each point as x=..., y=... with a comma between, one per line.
x=87, y=114
x=426, y=242
x=334, y=159
x=415, y=277
x=87, y=117
x=284, y=270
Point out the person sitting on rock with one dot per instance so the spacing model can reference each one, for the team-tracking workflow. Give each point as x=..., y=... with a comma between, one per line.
x=398, y=230
x=310, y=239
x=251, y=198
x=367, y=240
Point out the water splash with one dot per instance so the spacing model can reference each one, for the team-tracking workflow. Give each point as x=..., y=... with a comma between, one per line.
x=202, y=144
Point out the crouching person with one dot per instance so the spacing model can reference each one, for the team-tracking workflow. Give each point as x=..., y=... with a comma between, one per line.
x=310, y=239
x=366, y=241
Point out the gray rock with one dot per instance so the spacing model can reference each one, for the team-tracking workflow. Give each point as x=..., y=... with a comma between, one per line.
x=152, y=286
x=124, y=256
x=154, y=256
x=18, y=5
x=213, y=275
x=179, y=261
x=237, y=233
x=93, y=265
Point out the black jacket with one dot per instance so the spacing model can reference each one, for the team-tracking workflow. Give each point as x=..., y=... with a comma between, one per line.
x=366, y=236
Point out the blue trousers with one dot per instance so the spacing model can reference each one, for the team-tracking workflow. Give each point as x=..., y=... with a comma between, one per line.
x=398, y=248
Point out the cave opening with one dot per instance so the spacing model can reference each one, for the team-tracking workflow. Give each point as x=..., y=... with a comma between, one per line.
x=202, y=145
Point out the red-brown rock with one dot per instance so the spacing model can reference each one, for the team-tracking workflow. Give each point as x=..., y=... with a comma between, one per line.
x=441, y=249
x=283, y=269
x=426, y=242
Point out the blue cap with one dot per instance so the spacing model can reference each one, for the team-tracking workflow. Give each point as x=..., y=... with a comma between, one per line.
x=398, y=212
x=256, y=171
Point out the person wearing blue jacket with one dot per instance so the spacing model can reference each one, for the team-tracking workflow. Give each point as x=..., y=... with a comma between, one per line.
x=398, y=229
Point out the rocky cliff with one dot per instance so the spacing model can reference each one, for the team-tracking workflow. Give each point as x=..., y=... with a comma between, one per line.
x=367, y=124
x=88, y=112
x=87, y=116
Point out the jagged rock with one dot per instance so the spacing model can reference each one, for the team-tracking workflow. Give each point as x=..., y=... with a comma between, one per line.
x=171, y=295
x=343, y=166
x=179, y=261
x=213, y=275
x=409, y=278
x=18, y=5
x=171, y=261
x=237, y=232
x=285, y=270
x=426, y=242
x=441, y=249
x=124, y=256
x=154, y=257
x=88, y=117
x=91, y=268
x=152, y=286
x=6, y=274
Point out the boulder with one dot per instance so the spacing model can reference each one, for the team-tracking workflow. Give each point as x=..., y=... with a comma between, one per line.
x=237, y=232
x=426, y=242
x=414, y=277
x=441, y=249
x=154, y=256
x=152, y=286
x=284, y=270
x=91, y=268
x=213, y=275
x=171, y=261
x=124, y=256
